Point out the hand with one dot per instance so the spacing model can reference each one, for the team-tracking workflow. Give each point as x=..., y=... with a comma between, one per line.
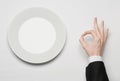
x=99, y=34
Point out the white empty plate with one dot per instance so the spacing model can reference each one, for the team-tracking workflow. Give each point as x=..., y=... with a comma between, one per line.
x=36, y=35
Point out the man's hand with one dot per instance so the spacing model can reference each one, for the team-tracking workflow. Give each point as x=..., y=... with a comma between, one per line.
x=99, y=34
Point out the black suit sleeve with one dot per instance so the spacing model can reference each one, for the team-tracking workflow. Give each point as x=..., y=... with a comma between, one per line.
x=95, y=71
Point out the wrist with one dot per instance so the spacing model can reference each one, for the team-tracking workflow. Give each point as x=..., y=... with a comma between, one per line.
x=95, y=54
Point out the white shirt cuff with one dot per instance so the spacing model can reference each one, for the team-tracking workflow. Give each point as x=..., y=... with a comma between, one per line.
x=94, y=58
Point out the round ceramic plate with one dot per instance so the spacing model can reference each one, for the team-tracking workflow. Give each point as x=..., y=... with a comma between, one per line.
x=41, y=57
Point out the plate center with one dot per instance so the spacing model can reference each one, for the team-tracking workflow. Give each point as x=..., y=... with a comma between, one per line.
x=37, y=35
